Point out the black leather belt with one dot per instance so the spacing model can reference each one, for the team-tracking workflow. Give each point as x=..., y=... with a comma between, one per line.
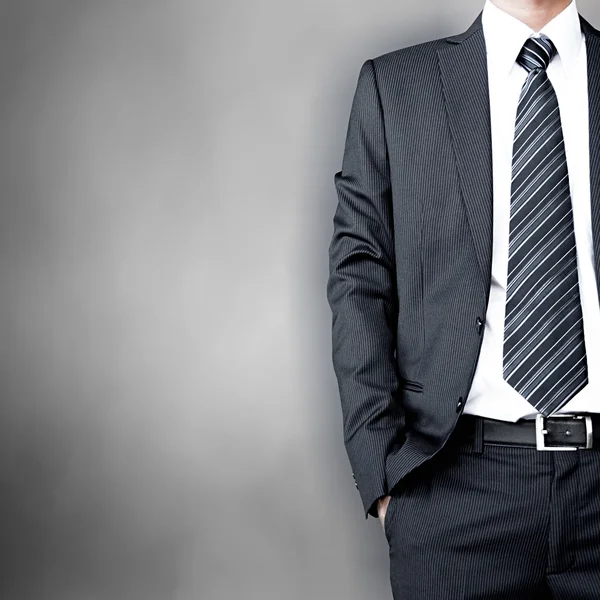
x=556, y=432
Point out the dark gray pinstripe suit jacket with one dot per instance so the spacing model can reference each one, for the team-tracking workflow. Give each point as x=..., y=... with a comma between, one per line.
x=410, y=258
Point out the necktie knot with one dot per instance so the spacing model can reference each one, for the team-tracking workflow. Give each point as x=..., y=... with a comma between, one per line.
x=536, y=53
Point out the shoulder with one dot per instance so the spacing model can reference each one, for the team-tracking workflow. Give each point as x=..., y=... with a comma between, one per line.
x=422, y=58
x=418, y=62
x=413, y=66
x=409, y=56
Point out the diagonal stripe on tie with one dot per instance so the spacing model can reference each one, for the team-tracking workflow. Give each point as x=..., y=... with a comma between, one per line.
x=544, y=356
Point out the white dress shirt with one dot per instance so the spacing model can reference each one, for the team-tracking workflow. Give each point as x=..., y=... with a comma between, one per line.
x=491, y=396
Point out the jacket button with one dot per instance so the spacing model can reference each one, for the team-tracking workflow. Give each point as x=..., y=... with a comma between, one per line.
x=479, y=324
x=459, y=404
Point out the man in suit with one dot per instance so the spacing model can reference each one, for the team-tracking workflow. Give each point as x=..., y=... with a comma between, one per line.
x=464, y=272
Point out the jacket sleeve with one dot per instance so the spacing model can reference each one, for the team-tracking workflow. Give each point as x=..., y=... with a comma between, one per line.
x=361, y=291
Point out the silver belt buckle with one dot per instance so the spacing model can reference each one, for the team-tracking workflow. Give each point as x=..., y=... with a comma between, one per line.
x=540, y=432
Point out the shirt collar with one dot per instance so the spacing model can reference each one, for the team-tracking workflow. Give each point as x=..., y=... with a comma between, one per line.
x=505, y=35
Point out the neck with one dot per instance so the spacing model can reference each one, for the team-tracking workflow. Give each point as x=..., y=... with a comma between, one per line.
x=534, y=13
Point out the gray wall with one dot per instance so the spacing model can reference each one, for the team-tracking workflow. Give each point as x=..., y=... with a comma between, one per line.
x=170, y=426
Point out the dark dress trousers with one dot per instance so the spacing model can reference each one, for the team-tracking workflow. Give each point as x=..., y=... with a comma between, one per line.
x=409, y=279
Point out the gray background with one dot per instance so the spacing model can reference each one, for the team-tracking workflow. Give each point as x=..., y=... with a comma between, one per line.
x=170, y=426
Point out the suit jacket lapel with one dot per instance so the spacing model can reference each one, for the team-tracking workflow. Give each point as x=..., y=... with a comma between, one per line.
x=592, y=43
x=463, y=69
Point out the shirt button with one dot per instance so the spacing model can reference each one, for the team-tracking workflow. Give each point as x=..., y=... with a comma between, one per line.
x=479, y=324
x=459, y=404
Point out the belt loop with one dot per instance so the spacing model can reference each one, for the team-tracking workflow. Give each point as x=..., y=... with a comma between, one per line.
x=478, y=435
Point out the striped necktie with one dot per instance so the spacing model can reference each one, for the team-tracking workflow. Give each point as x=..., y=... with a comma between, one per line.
x=544, y=350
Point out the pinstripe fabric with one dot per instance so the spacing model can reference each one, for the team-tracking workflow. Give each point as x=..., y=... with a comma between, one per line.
x=482, y=521
x=544, y=356
x=593, y=57
x=410, y=254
